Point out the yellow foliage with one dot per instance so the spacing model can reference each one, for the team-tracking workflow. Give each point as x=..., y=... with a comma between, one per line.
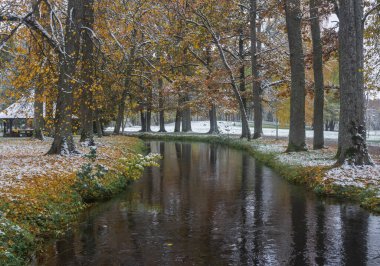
x=46, y=204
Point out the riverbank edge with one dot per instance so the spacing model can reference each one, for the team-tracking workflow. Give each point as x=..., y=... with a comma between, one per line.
x=312, y=177
x=24, y=232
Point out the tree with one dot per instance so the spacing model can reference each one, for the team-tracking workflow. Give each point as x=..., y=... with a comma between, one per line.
x=38, y=121
x=185, y=95
x=212, y=111
x=256, y=84
x=216, y=38
x=372, y=44
x=318, y=141
x=88, y=74
x=129, y=56
x=351, y=79
x=63, y=142
x=108, y=58
x=297, y=136
x=242, y=77
x=66, y=43
x=160, y=85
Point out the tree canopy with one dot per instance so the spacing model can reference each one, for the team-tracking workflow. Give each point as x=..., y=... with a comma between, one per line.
x=92, y=62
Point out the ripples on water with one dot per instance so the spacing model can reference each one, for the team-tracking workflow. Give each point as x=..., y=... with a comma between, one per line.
x=210, y=205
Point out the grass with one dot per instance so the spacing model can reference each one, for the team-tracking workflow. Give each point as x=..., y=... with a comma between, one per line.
x=310, y=176
x=42, y=207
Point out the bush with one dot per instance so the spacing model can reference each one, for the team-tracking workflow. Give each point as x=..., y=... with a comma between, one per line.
x=94, y=181
x=15, y=243
x=44, y=206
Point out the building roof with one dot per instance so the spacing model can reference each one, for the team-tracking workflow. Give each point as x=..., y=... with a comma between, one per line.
x=24, y=108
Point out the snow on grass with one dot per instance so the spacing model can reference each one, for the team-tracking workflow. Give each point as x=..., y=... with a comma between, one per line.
x=269, y=145
x=22, y=158
x=322, y=157
x=357, y=176
x=25, y=158
x=234, y=128
x=271, y=148
x=345, y=175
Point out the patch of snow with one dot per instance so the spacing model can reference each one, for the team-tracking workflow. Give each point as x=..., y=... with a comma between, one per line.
x=270, y=148
x=25, y=158
x=357, y=176
x=234, y=128
x=24, y=108
x=308, y=158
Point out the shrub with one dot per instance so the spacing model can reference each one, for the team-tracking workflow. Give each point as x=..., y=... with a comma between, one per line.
x=15, y=242
x=94, y=181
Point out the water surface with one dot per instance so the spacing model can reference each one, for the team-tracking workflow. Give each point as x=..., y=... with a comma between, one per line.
x=211, y=205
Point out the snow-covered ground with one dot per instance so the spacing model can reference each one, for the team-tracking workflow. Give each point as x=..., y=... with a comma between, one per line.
x=322, y=157
x=345, y=175
x=357, y=176
x=234, y=128
x=23, y=158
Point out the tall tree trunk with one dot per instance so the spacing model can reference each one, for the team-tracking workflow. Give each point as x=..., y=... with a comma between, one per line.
x=121, y=105
x=245, y=124
x=186, y=114
x=161, y=105
x=148, y=120
x=99, y=130
x=49, y=118
x=213, y=120
x=127, y=81
x=123, y=123
x=331, y=125
x=297, y=136
x=38, y=121
x=149, y=110
x=87, y=133
x=86, y=112
x=256, y=84
x=186, y=110
x=212, y=112
x=143, y=119
x=352, y=139
x=120, y=112
x=63, y=139
x=178, y=117
x=318, y=141
x=232, y=79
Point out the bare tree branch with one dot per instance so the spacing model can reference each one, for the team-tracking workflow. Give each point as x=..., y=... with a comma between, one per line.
x=373, y=9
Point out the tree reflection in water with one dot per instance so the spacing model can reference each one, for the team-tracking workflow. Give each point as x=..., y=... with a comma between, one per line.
x=208, y=204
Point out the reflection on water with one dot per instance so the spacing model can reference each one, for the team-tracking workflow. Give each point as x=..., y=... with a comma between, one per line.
x=210, y=205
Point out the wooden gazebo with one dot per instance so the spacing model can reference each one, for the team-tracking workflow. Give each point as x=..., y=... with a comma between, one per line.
x=17, y=119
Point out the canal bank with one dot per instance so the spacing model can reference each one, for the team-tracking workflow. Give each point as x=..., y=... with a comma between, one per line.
x=315, y=169
x=42, y=196
x=208, y=204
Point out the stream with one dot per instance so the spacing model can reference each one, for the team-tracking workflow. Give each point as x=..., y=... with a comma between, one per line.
x=211, y=205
